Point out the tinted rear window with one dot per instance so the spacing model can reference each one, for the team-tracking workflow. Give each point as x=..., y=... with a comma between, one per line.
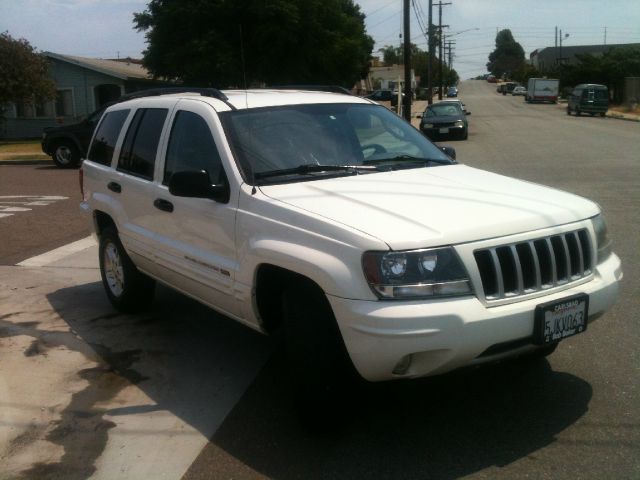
x=138, y=155
x=107, y=136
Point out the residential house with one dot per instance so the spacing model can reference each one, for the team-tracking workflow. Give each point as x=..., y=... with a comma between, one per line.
x=83, y=85
x=388, y=78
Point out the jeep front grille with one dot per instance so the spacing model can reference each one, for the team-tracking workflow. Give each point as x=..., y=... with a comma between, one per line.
x=527, y=267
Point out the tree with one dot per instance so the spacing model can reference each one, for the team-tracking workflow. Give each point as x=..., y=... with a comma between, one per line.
x=609, y=69
x=508, y=55
x=391, y=55
x=224, y=43
x=23, y=73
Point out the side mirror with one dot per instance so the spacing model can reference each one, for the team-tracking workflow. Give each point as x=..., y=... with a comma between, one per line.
x=449, y=151
x=197, y=185
x=467, y=112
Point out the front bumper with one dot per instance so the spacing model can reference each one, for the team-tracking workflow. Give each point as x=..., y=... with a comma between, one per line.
x=442, y=335
x=437, y=131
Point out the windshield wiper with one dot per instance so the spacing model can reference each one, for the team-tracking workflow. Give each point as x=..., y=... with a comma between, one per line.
x=408, y=161
x=307, y=169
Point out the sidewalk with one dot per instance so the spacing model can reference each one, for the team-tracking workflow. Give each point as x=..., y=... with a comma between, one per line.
x=90, y=392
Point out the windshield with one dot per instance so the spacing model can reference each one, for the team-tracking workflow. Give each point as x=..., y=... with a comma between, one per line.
x=283, y=141
x=443, y=110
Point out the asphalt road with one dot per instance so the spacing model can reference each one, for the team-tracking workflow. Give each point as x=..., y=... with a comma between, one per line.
x=575, y=416
x=38, y=209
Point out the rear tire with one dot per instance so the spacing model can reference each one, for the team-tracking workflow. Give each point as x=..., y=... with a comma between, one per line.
x=568, y=110
x=128, y=289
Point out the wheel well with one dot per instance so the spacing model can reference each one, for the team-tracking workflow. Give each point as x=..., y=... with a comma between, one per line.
x=67, y=140
x=271, y=282
x=102, y=221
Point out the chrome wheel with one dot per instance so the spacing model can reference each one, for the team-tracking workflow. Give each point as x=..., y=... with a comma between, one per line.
x=64, y=155
x=113, y=270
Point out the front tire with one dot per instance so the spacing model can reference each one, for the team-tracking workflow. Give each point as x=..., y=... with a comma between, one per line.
x=323, y=375
x=544, y=352
x=128, y=290
x=66, y=154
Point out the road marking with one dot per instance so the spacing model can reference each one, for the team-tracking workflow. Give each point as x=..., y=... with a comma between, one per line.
x=7, y=202
x=59, y=253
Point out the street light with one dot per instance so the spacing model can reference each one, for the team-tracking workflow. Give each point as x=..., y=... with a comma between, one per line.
x=566, y=35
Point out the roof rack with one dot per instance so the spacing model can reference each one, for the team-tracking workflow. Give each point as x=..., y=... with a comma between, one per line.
x=153, y=92
x=314, y=88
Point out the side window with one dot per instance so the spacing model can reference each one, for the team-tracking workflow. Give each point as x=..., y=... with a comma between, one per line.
x=138, y=155
x=107, y=136
x=192, y=148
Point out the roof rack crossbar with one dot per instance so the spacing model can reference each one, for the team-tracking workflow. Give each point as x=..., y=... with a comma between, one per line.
x=203, y=91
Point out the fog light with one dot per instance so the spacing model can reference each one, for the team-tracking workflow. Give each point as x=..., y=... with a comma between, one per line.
x=402, y=367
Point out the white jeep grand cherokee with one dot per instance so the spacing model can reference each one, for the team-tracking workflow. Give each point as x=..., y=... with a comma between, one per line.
x=331, y=217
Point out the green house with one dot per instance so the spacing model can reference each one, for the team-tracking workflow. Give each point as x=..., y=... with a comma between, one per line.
x=83, y=85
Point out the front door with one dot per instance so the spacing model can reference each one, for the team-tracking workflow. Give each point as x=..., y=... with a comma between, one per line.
x=196, y=236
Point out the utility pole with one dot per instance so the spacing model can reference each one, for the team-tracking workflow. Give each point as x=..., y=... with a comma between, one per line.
x=430, y=50
x=561, y=37
x=605, y=35
x=408, y=94
x=440, y=40
x=556, y=47
x=449, y=45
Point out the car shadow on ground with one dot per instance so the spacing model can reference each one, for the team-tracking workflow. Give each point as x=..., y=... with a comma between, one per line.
x=183, y=355
x=443, y=427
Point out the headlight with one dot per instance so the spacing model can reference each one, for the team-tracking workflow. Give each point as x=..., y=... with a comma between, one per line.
x=460, y=123
x=603, y=243
x=416, y=274
x=428, y=125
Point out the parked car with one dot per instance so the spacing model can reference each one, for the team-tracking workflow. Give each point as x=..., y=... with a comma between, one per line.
x=445, y=119
x=328, y=220
x=589, y=98
x=452, y=92
x=463, y=106
x=67, y=144
x=508, y=87
x=519, y=90
x=385, y=96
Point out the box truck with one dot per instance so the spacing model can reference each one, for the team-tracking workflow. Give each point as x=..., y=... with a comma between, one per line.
x=542, y=90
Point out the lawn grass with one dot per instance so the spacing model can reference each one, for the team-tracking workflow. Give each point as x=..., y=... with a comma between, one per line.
x=625, y=109
x=21, y=150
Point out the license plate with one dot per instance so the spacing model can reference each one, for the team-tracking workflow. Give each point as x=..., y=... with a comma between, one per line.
x=444, y=130
x=564, y=318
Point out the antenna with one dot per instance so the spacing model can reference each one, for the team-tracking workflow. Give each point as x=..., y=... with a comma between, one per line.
x=244, y=68
x=246, y=103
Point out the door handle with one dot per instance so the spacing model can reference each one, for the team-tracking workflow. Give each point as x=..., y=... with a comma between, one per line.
x=163, y=205
x=114, y=187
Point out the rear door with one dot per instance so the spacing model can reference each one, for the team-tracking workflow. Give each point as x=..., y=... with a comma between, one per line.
x=132, y=184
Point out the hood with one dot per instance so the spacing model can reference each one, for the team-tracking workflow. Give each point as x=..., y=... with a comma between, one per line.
x=435, y=206
x=443, y=119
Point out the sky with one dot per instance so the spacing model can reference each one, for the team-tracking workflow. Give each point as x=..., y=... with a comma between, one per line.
x=104, y=28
